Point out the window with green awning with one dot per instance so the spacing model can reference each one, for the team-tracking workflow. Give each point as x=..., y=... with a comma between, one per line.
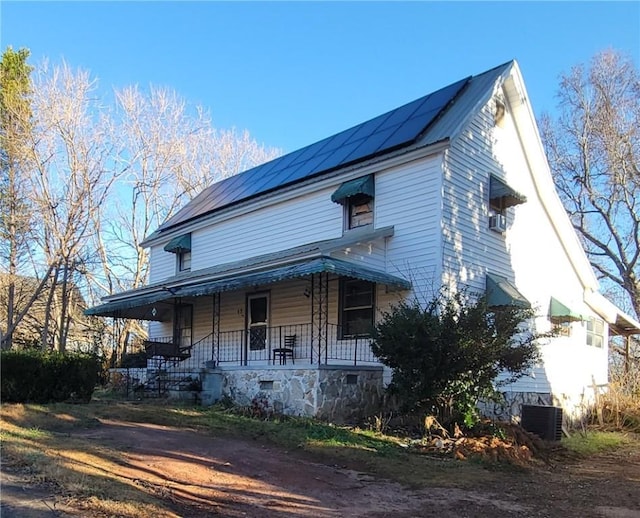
x=502, y=292
x=501, y=196
x=179, y=245
x=363, y=186
x=559, y=312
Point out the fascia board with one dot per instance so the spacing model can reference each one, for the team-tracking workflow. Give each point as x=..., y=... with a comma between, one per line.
x=527, y=128
x=607, y=309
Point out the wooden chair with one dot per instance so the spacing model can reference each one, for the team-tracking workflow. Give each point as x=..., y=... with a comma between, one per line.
x=286, y=351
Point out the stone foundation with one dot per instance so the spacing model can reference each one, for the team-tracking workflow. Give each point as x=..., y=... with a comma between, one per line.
x=575, y=407
x=333, y=393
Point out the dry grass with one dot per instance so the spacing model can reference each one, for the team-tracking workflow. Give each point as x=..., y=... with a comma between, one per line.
x=619, y=406
x=37, y=442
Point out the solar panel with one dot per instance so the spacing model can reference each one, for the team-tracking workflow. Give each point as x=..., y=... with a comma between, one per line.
x=385, y=132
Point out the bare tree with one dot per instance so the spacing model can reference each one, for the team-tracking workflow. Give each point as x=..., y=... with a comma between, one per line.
x=71, y=177
x=102, y=177
x=593, y=147
x=170, y=152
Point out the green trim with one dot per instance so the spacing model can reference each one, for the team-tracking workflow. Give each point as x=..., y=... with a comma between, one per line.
x=501, y=292
x=363, y=185
x=502, y=195
x=558, y=312
x=154, y=306
x=141, y=307
x=179, y=245
x=293, y=271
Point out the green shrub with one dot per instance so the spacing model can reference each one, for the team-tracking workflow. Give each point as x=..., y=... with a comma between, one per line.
x=43, y=377
x=446, y=356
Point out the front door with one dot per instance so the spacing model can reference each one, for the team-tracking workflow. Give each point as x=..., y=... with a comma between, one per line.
x=257, y=325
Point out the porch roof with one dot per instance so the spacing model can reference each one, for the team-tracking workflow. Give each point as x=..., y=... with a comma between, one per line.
x=153, y=306
x=292, y=271
x=139, y=306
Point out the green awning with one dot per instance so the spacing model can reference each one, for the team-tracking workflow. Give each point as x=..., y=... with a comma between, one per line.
x=293, y=271
x=157, y=305
x=502, y=195
x=558, y=312
x=501, y=292
x=179, y=245
x=363, y=185
x=151, y=306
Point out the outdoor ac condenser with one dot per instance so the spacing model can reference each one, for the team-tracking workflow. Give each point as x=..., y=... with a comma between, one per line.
x=544, y=421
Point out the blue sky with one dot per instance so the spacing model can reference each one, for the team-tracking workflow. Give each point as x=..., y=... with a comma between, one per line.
x=295, y=72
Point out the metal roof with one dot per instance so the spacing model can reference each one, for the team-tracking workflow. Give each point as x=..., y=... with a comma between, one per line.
x=392, y=130
x=154, y=306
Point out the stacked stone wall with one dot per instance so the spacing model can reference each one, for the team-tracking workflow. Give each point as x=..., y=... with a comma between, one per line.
x=332, y=393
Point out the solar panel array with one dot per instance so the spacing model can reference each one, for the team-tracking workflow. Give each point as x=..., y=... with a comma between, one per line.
x=392, y=130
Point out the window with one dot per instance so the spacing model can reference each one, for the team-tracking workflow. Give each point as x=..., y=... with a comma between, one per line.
x=563, y=329
x=360, y=211
x=183, y=325
x=595, y=332
x=356, y=196
x=184, y=261
x=501, y=197
x=356, y=308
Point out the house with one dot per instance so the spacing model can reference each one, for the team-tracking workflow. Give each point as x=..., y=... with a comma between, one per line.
x=267, y=283
x=47, y=307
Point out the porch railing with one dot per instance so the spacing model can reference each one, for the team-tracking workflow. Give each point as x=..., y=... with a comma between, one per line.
x=256, y=346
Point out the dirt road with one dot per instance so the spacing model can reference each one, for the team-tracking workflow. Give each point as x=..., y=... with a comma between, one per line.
x=200, y=476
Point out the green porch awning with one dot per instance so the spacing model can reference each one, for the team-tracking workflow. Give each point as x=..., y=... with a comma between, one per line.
x=157, y=305
x=558, y=312
x=179, y=245
x=501, y=292
x=293, y=271
x=151, y=306
x=502, y=195
x=363, y=185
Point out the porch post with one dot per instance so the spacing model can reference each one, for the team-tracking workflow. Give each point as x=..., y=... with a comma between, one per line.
x=215, y=328
x=319, y=313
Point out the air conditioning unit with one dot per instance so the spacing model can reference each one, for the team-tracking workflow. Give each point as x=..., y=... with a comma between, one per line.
x=498, y=222
x=544, y=421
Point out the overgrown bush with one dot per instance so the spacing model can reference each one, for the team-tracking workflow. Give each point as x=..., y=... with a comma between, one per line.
x=43, y=377
x=447, y=356
x=618, y=408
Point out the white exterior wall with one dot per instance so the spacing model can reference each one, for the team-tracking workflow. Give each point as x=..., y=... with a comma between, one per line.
x=408, y=198
x=530, y=253
x=304, y=219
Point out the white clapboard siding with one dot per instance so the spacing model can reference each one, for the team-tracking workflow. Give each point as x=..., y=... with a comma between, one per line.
x=530, y=253
x=469, y=247
x=162, y=265
x=304, y=219
x=408, y=197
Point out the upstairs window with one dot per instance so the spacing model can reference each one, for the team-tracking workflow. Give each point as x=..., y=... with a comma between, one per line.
x=595, y=332
x=184, y=262
x=181, y=246
x=356, y=308
x=356, y=196
x=360, y=211
x=501, y=197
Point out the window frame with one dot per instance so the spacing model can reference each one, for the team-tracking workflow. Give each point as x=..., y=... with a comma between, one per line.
x=183, y=314
x=343, y=310
x=593, y=335
x=358, y=200
x=184, y=261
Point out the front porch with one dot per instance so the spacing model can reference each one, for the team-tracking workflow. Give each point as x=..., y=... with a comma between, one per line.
x=297, y=344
